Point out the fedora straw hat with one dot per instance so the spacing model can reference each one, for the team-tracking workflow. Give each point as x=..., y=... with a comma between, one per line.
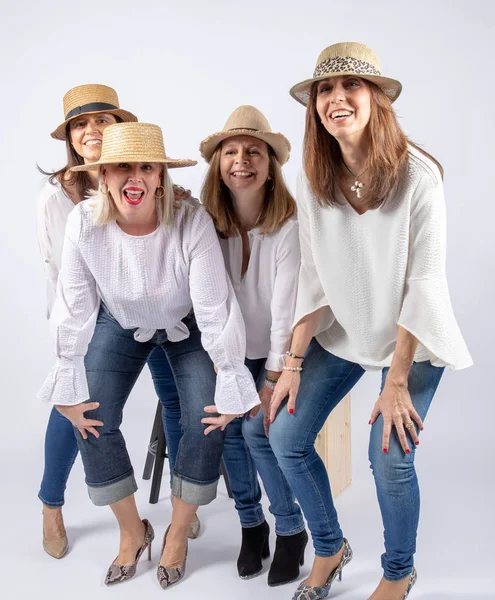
x=247, y=120
x=90, y=99
x=132, y=143
x=347, y=58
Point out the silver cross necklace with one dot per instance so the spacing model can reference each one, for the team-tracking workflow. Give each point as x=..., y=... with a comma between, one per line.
x=358, y=185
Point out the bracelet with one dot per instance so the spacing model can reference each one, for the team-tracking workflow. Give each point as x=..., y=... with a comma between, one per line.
x=298, y=369
x=271, y=379
x=292, y=355
x=270, y=384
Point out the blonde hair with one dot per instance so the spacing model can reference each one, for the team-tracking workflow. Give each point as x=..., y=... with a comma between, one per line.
x=106, y=211
x=278, y=205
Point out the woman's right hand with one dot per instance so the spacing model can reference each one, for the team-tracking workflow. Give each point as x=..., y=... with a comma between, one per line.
x=287, y=386
x=75, y=414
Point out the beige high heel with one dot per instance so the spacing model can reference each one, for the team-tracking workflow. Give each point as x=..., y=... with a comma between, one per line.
x=118, y=573
x=56, y=548
x=194, y=527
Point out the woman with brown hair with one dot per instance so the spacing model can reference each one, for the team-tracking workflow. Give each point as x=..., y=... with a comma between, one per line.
x=88, y=110
x=254, y=215
x=372, y=295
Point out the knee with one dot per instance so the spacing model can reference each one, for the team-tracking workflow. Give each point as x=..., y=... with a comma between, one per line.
x=253, y=429
x=285, y=439
x=393, y=466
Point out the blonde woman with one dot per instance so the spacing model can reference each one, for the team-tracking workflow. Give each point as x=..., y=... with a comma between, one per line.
x=254, y=215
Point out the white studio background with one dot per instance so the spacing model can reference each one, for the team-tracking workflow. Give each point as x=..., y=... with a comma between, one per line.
x=185, y=66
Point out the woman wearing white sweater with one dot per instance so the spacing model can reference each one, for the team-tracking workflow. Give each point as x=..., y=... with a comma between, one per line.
x=134, y=265
x=372, y=295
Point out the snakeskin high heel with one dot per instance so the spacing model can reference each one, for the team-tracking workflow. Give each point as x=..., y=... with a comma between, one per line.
x=413, y=577
x=118, y=573
x=168, y=576
x=310, y=592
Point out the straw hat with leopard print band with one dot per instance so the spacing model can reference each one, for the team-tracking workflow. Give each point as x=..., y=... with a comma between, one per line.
x=247, y=120
x=90, y=99
x=134, y=143
x=347, y=58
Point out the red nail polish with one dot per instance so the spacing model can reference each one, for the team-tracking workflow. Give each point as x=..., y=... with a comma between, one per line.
x=408, y=451
x=291, y=411
x=385, y=450
x=417, y=443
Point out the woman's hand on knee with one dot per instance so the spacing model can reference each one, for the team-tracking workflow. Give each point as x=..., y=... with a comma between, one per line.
x=220, y=421
x=287, y=387
x=75, y=414
x=396, y=408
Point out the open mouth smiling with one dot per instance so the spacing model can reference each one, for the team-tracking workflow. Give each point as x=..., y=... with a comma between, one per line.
x=133, y=195
x=340, y=115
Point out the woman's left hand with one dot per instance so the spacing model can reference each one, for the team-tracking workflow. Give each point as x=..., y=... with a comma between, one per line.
x=265, y=395
x=215, y=422
x=397, y=410
x=180, y=194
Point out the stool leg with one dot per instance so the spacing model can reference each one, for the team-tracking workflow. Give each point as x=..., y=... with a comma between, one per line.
x=150, y=458
x=159, y=460
x=223, y=471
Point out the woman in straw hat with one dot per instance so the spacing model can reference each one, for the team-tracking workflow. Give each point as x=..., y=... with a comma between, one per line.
x=253, y=211
x=88, y=110
x=135, y=263
x=372, y=289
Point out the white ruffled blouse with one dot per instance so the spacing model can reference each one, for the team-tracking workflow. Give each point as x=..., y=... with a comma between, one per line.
x=376, y=271
x=147, y=282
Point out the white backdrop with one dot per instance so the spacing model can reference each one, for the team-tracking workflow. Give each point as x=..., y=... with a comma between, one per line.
x=185, y=66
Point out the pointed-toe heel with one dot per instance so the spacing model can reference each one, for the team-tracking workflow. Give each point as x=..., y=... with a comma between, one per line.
x=56, y=548
x=309, y=592
x=118, y=573
x=194, y=527
x=254, y=548
x=168, y=576
x=413, y=577
x=288, y=557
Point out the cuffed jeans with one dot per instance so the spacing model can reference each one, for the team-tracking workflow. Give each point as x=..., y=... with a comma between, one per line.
x=326, y=379
x=61, y=443
x=247, y=451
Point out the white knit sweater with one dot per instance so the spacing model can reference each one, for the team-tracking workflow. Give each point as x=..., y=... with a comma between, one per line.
x=379, y=270
x=147, y=282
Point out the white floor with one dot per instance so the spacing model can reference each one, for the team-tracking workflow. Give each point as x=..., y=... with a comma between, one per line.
x=455, y=557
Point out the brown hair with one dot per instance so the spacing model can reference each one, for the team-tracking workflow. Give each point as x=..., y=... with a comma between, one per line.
x=76, y=185
x=388, y=152
x=278, y=206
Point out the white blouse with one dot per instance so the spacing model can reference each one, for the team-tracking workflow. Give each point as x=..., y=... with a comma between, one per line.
x=147, y=282
x=53, y=209
x=379, y=270
x=267, y=291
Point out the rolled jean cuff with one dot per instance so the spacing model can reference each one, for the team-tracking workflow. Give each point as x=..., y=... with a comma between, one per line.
x=51, y=504
x=103, y=495
x=193, y=492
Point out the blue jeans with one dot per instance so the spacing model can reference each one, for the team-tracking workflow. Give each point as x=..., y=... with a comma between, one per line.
x=326, y=379
x=247, y=451
x=61, y=443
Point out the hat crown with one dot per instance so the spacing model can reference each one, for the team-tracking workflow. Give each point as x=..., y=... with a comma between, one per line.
x=132, y=142
x=89, y=94
x=247, y=117
x=349, y=50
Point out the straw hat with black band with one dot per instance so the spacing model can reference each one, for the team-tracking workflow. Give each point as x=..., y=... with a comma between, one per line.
x=347, y=58
x=247, y=120
x=87, y=100
x=134, y=143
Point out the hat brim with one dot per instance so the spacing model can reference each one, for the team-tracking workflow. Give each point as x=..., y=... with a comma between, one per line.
x=391, y=87
x=277, y=141
x=61, y=132
x=172, y=163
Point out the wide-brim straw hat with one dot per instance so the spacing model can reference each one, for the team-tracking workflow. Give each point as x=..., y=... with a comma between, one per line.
x=247, y=120
x=134, y=143
x=88, y=100
x=347, y=58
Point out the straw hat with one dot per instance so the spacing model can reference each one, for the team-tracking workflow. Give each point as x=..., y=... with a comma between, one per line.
x=347, y=58
x=90, y=99
x=247, y=120
x=132, y=143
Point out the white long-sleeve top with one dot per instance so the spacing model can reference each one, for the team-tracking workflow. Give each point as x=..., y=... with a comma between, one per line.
x=267, y=291
x=379, y=270
x=147, y=282
x=53, y=209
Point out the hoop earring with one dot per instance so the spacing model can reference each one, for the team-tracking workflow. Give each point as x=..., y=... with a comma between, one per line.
x=104, y=188
x=162, y=195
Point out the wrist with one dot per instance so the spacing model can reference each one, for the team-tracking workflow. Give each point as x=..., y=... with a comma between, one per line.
x=397, y=380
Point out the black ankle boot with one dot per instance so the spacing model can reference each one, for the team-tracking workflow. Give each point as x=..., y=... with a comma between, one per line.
x=288, y=557
x=254, y=547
